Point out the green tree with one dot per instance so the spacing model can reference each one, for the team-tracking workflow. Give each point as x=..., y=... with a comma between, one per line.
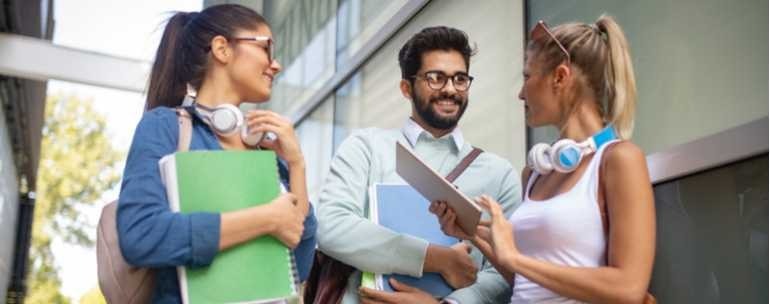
x=77, y=164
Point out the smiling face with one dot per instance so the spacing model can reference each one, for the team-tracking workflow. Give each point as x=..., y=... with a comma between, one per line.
x=440, y=109
x=538, y=92
x=251, y=70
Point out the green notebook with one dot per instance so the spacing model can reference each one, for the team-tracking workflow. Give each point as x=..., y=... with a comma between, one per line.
x=368, y=279
x=259, y=271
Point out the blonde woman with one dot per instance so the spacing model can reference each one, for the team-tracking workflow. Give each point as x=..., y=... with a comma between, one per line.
x=585, y=231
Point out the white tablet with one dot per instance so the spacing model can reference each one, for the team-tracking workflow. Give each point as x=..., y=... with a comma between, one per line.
x=435, y=188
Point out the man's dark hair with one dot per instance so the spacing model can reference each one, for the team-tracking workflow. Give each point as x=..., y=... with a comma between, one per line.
x=431, y=39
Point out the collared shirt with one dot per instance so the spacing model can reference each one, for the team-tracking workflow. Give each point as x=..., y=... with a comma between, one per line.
x=412, y=130
x=367, y=157
x=150, y=234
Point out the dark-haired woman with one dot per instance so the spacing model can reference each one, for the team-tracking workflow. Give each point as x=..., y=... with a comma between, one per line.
x=225, y=54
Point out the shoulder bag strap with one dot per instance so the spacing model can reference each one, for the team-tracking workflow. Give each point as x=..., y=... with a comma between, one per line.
x=467, y=160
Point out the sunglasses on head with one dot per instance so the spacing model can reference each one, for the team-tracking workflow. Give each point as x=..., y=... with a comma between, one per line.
x=540, y=31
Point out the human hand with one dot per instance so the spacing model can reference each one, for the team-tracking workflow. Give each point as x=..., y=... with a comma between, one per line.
x=287, y=219
x=286, y=145
x=454, y=264
x=403, y=293
x=448, y=220
x=460, y=270
x=495, y=238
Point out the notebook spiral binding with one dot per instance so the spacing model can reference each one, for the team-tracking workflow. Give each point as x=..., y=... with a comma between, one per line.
x=297, y=284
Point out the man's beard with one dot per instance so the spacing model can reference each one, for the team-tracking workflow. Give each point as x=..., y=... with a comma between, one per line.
x=432, y=118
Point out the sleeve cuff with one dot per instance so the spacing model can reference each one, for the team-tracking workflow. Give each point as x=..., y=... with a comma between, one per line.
x=411, y=252
x=311, y=224
x=204, y=238
x=305, y=251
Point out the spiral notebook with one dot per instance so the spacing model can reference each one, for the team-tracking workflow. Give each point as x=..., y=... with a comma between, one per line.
x=262, y=270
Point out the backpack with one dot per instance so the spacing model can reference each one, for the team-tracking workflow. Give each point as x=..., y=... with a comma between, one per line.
x=119, y=281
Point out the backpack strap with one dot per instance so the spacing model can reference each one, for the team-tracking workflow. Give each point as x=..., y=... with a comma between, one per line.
x=467, y=160
x=185, y=129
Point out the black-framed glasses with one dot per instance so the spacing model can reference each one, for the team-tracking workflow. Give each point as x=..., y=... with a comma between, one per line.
x=540, y=30
x=437, y=80
x=268, y=41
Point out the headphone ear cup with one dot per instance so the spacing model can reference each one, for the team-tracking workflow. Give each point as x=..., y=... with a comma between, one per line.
x=539, y=160
x=226, y=119
x=566, y=155
x=251, y=140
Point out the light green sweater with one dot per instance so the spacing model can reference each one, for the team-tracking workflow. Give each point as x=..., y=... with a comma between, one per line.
x=367, y=157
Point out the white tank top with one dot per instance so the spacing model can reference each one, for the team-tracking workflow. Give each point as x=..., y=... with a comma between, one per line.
x=565, y=230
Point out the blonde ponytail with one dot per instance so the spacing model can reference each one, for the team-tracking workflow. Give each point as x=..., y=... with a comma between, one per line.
x=619, y=76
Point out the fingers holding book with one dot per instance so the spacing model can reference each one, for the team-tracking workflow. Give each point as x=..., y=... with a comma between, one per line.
x=287, y=220
x=448, y=220
x=402, y=293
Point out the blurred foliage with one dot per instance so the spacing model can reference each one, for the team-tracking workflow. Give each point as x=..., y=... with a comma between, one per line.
x=77, y=164
x=93, y=296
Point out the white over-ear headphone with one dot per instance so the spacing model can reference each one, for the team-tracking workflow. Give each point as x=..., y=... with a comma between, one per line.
x=565, y=155
x=226, y=119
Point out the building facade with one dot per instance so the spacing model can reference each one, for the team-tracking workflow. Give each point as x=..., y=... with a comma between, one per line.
x=702, y=113
x=21, y=121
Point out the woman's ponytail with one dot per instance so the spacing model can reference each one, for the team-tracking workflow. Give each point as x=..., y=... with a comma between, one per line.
x=619, y=76
x=167, y=85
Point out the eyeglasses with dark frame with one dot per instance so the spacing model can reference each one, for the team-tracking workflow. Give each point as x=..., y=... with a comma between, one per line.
x=541, y=29
x=269, y=47
x=437, y=80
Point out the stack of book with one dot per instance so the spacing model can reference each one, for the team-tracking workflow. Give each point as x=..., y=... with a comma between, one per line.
x=404, y=210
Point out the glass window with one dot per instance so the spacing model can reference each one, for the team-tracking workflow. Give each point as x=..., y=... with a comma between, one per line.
x=304, y=33
x=315, y=138
x=345, y=104
x=358, y=21
x=712, y=236
x=313, y=37
x=700, y=65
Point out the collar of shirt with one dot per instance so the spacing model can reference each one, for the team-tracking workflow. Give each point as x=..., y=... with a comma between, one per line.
x=412, y=131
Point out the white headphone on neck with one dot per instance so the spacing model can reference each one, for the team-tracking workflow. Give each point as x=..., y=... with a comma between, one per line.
x=565, y=155
x=226, y=119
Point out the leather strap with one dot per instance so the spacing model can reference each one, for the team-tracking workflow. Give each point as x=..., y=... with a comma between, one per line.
x=185, y=129
x=467, y=160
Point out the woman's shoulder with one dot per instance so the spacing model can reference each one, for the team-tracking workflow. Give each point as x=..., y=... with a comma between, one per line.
x=157, y=124
x=159, y=115
x=623, y=157
x=623, y=151
x=159, y=118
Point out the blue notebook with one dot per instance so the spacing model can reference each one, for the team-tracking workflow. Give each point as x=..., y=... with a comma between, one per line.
x=404, y=210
